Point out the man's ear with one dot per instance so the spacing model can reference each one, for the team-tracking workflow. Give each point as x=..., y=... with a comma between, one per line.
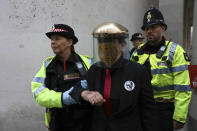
x=163, y=28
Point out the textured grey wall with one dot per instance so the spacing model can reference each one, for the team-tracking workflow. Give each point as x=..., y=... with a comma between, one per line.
x=24, y=46
x=173, y=15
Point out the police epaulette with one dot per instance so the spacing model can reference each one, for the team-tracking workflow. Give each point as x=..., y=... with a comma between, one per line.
x=162, y=50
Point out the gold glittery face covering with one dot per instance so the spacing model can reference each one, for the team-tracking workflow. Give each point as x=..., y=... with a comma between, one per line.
x=108, y=53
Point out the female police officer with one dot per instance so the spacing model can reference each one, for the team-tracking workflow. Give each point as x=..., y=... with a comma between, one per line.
x=55, y=79
x=120, y=88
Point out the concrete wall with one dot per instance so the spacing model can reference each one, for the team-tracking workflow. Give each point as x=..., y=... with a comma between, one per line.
x=24, y=46
x=153, y=3
x=173, y=14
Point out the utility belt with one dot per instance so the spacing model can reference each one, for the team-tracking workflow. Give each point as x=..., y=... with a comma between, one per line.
x=164, y=100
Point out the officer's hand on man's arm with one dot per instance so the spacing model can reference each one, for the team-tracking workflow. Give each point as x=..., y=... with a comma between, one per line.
x=177, y=125
x=94, y=97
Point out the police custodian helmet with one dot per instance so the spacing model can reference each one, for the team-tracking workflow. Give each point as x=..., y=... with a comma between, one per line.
x=153, y=17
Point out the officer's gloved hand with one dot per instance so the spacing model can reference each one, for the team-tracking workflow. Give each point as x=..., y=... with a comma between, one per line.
x=94, y=97
x=67, y=99
x=177, y=125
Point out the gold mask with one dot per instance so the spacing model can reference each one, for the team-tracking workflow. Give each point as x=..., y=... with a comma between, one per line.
x=108, y=53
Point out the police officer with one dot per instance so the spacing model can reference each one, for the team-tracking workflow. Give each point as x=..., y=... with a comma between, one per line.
x=168, y=66
x=120, y=88
x=136, y=39
x=53, y=82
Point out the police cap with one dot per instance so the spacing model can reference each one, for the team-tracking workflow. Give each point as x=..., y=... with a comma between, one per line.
x=152, y=17
x=63, y=30
x=136, y=36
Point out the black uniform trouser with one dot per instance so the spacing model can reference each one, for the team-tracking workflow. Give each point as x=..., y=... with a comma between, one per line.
x=165, y=113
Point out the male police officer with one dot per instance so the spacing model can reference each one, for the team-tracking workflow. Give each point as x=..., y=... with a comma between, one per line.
x=136, y=39
x=168, y=67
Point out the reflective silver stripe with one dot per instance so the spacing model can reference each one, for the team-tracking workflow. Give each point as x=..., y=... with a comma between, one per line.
x=90, y=61
x=169, y=70
x=42, y=87
x=173, y=87
x=161, y=71
x=84, y=84
x=46, y=63
x=38, y=79
x=182, y=88
x=172, y=51
x=164, y=88
x=180, y=68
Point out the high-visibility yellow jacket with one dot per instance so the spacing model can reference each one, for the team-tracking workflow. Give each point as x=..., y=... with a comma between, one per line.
x=131, y=53
x=170, y=77
x=44, y=96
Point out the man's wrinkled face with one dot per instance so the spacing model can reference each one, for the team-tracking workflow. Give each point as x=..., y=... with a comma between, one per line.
x=154, y=33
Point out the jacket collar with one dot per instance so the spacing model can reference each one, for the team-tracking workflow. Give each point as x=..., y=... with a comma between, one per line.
x=151, y=49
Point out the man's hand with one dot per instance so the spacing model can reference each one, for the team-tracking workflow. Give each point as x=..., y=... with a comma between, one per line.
x=94, y=97
x=177, y=125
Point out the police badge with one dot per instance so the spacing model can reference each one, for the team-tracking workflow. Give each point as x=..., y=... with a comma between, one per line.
x=148, y=17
